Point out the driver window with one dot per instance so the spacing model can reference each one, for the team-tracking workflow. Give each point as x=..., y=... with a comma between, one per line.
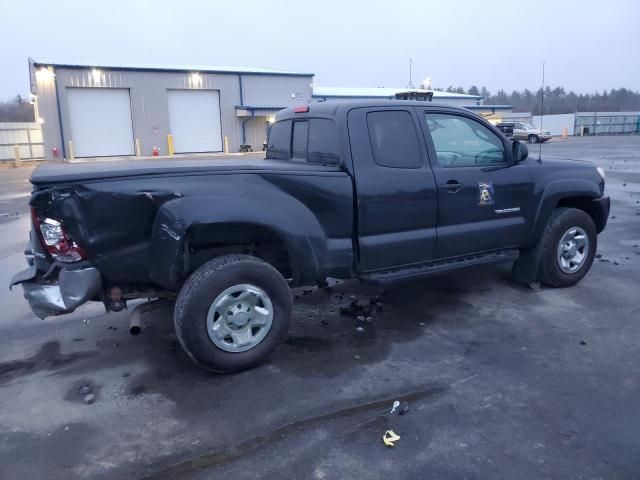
x=462, y=142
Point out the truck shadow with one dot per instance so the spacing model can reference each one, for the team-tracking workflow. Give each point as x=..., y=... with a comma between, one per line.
x=323, y=342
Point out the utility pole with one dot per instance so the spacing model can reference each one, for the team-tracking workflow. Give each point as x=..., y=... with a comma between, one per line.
x=541, y=115
x=410, y=74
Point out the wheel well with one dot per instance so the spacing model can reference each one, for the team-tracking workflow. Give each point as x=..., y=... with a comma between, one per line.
x=205, y=242
x=586, y=205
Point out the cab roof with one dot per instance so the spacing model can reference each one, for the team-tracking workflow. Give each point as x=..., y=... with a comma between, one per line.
x=332, y=108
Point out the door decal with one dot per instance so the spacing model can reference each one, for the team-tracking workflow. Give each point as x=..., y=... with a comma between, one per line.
x=486, y=193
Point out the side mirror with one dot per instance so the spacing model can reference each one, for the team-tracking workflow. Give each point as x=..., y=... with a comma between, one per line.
x=520, y=152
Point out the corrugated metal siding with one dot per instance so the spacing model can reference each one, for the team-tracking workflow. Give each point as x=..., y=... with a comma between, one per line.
x=607, y=123
x=149, y=105
x=276, y=90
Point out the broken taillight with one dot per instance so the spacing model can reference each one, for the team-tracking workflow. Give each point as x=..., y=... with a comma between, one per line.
x=56, y=240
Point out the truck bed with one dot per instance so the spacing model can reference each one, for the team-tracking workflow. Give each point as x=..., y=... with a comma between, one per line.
x=60, y=173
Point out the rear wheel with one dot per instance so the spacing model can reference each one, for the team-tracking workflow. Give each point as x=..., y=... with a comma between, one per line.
x=570, y=243
x=232, y=313
x=533, y=139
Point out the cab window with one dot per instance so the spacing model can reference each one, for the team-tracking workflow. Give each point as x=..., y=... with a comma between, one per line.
x=279, y=140
x=323, y=142
x=394, y=140
x=300, y=140
x=462, y=142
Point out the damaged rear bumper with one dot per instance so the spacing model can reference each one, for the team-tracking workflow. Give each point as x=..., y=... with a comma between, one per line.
x=72, y=288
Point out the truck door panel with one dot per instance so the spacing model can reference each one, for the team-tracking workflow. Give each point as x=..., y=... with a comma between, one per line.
x=396, y=194
x=483, y=197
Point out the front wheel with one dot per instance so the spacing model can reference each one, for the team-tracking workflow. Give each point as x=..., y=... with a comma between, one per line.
x=569, y=247
x=533, y=139
x=232, y=313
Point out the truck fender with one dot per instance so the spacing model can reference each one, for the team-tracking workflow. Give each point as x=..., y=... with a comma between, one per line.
x=285, y=216
x=548, y=199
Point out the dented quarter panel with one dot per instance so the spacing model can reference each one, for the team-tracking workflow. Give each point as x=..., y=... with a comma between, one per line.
x=133, y=228
x=311, y=214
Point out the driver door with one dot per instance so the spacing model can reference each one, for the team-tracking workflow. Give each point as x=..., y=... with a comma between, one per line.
x=483, y=197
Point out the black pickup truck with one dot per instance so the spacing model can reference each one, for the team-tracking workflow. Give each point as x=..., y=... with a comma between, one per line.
x=379, y=191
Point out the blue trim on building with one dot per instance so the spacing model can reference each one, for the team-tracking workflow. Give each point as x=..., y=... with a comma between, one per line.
x=489, y=107
x=63, y=146
x=186, y=69
x=259, y=107
x=435, y=97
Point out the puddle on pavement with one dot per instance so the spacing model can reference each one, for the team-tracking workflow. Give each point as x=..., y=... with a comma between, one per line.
x=48, y=357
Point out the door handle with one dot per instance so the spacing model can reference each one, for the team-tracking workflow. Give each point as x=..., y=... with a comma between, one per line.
x=453, y=186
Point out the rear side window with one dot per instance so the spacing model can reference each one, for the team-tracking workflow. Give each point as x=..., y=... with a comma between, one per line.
x=279, y=140
x=323, y=142
x=299, y=140
x=394, y=140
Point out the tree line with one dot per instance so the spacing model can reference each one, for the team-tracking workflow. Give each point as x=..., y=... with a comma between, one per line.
x=557, y=100
x=16, y=110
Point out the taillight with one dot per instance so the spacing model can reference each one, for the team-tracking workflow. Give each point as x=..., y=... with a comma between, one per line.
x=56, y=240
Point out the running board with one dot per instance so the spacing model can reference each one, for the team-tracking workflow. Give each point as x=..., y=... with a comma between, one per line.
x=427, y=269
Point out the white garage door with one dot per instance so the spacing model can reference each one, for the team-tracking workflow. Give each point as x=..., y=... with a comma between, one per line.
x=100, y=121
x=194, y=120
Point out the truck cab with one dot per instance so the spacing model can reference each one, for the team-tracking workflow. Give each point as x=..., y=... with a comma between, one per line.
x=431, y=183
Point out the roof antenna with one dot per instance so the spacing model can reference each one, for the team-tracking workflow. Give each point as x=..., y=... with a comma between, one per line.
x=541, y=116
x=410, y=85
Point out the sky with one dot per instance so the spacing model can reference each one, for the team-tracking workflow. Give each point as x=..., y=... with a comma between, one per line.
x=586, y=45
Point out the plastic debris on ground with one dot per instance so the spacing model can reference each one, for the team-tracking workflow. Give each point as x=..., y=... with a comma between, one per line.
x=389, y=438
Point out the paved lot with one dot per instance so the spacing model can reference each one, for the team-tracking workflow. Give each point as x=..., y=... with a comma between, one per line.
x=502, y=381
x=14, y=192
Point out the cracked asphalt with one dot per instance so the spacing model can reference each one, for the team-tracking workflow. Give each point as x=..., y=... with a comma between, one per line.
x=502, y=381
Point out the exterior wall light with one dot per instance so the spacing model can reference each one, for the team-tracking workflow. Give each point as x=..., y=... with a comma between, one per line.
x=45, y=74
x=195, y=80
x=97, y=75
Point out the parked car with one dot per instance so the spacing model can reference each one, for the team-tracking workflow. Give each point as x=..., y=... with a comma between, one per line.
x=378, y=191
x=523, y=131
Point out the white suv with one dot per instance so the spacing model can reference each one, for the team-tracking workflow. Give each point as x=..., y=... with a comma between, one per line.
x=524, y=131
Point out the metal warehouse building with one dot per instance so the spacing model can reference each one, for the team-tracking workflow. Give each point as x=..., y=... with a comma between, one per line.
x=90, y=111
x=108, y=110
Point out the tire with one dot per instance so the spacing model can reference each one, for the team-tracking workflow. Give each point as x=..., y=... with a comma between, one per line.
x=564, y=221
x=193, y=319
x=533, y=139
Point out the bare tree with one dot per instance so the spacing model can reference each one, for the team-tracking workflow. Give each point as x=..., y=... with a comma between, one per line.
x=16, y=110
